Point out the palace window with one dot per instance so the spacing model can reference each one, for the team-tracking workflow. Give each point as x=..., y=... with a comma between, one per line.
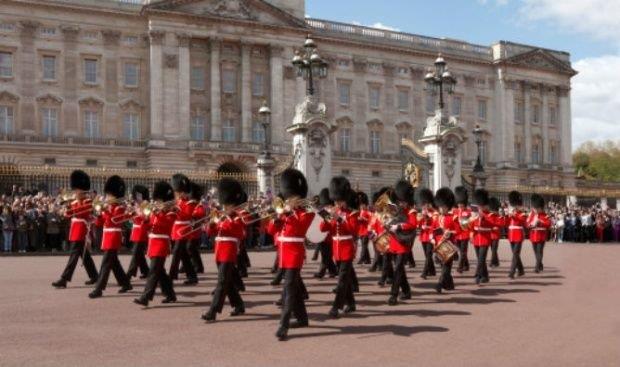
x=49, y=117
x=229, y=81
x=258, y=133
x=536, y=114
x=197, y=127
x=430, y=103
x=536, y=153
x=91, y=124
x=92, y=163
x=374, y=97
x=258, y=85
x=6, y=120
x=482, y=109
x=456, y=105
x=403, y=100
x=553, y=153
x=344, y=136
x=131, y=126
x=49, y=67
x=375, y=142
x=228, y=131
x=553, y=115
x=518, y=152
x=90, y=71
x=48, y=31
x=519, y=112
x=344, y=94
x=131, y=74
x=6, y=64
x=197, y=78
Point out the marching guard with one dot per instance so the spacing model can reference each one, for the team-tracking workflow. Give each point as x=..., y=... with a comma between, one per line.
x=364, y=220
x=185, y=211
x=516, y=232
x=462, y=213
x=139, y=233
x=539, y=224
x=481, y=224
x=377, y=228
x=80, y=211
x=193, y=246
x=325, y=247
x=494, y=208
x=427, y=219
x=445, y=230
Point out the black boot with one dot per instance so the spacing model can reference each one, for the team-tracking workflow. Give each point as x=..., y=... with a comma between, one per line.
x=95, y=294
x=90, y=282
x=282, y=334
x=125, y=288
x=238, y=311
x=60, y=283
x=169, y=299
x=208, y=316
x=141, y=301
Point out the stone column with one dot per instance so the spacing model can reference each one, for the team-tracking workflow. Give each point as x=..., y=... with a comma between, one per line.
x=246, y=93
x=216, y=96
x=527, y=135
x=544, y=126
x=505, y=105
x=277, y=94
x=184, y=85
x=111, y=126
x=157, y=86
x=566, y=145
x=28, y=67
x=69, y=123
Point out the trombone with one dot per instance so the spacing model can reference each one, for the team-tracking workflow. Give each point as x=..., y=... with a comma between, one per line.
x=214, y=216
x=278, y=206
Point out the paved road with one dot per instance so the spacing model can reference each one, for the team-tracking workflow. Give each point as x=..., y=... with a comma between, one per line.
x=567, y=316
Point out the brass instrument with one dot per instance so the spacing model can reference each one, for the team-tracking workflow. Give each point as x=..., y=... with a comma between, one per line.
x=385, y=210
x=445, y=250
x=277, y=207
x=153, y=206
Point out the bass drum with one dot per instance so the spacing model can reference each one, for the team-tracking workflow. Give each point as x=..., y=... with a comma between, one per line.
x=382, y=243
x=314, y=234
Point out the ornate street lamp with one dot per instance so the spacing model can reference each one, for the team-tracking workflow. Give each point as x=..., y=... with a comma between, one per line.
x=309, y=64
x=440, y=80
x=265, y=114
x=477, y=132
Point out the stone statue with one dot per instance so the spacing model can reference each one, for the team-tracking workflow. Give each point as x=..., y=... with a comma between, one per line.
x=317, y=143
x=412, y=174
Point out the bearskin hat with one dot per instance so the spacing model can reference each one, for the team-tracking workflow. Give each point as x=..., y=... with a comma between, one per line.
x=494, y=204
x=481, y=197
x=515, y=198
x=163, y=191
x=353, y=201
x=378, y=194
x=143, y=191
x=195, y=191
x=403, y=192
x=115, y=186
x=460, y=195
x=229, y=191
x=293, y=183
x=339, y=188
x=80, y=180
x=444, y=197
x=362, y=198
x=180, y=183
x=244, y=198
x=538, y=202
x=425, y=196
x=324, y=198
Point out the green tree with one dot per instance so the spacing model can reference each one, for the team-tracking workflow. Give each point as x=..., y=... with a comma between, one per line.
x=600, y=161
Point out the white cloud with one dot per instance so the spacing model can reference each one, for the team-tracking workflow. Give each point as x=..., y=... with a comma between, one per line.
x=378, y=25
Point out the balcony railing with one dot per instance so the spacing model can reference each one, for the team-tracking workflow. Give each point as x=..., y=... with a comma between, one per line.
x=72, y=140
x=122, y=4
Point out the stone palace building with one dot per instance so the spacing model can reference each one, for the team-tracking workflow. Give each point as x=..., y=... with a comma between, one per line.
x=177, y=84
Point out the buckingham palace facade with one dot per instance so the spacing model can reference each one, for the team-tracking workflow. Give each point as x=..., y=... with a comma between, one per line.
x=177, y=84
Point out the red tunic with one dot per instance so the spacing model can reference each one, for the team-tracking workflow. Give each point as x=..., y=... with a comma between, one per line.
x=343, y=234
x=538, y=223
x=499, y=222
x=184, y=218
x=139, y=229
x=461, y=213
x=363, y=221
x=481, y=228
x=161, y=223
x=198, y=213
x=426, y=225
x=80, y=212
x=516, y=226
x=229, y=233
x=112, y=219
x=445, y=226
x=291, y=231
x=396, y=246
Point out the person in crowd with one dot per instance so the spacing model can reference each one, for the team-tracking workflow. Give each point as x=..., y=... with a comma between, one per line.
x=8, y=228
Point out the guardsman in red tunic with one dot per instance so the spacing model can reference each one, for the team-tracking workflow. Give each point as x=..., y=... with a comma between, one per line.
x=402, y=230
x=274, y=233
x=539, y=224
x=481, y=225
x=426, y=223
x=382, y=261
x=160, y=222
x=228, y=231
x=462, y=213
x=516, y=232
x=243, y=260
x=80, y=212
x=292, y=226
x=112, y=217
x=364, y=220
x=445, y=229
x=185, y=211
x=139, y=233
x=325, y=247
x=342, y=225
x=498, y=219
x=195, y=236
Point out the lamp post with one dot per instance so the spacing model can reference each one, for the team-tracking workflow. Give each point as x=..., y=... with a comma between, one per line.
x=265, y=114
x=478, y=175
x=440, y=80
x=265, y=164
x=309, y=65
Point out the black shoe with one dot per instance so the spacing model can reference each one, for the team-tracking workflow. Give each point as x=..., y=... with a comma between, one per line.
x=511, y=275
x=536, y=271
x=477, y=280
x=141, y=301
x=298, y=324
x=449, y=287
x=521, y=273
x=90, y=282
x=191, y=282
x=484, y=280
x=125, y=289
x=459, y=270
x=372, y=269
x=349, y=309
x=275, y=282
x=392, y=301
x=333, y=275
x=273, y=270
x=306, y=297
x=241, y=288
x=318, y=275
x=356, y=289
x=278, y=303
x=95, y=294
x=238, y=311
x=381, y=283
x=60, y=283
x=171, y=299
x=389, y=281
x=333, y=313
x=423, y=276
x=335, y=290
x=432, y=274
x=208, y=316
x=405, y=296
x=282, y=334
x=438, y=288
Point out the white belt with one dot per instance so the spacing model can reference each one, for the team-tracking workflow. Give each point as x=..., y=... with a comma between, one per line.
x=342, y=238
x=292, y=239
x=79, y=220
x=182, y=222
x=136, y=226
x=515, y=227
x=112, y=230
x=538, y=229
x=483, y=229
x=161, y=236
x=227, y=239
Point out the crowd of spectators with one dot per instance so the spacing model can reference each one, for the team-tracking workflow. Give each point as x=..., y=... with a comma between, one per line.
x=584, y=224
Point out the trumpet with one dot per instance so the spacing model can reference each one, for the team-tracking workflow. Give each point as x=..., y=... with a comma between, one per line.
x=67, y=195
x=279, y=206
x=149, y=207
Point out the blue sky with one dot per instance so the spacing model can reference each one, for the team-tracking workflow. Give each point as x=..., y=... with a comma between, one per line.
x=588, y=29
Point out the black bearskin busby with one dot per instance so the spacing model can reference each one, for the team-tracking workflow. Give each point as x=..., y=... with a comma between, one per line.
x=324, y=199
x=115, y=186
x=229, y=191
x=195, y=191
x=140, y=190
x=180, y=183
x=244, y=198
x=403, y=192
x=538, y=202
x=481, y=197
x=425, y=196
x=163, y=191
x=362, y=198
x=80, y=180
x=461, y=196
x=353, y=201
x=444, y=197
x=515, y=198
x=293, y=183
x=494, y=204
x=339, y=188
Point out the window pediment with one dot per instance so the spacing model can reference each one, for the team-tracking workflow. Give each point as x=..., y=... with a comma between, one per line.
x=49, y=98
x=130, y=104
x=91, y=102
x=6, y=96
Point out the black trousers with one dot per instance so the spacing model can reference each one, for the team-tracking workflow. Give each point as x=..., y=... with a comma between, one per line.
x=180, y=254
x=243, y=261
x=225, y=288
x=539, y=248
x=445, y=278
x=463, y=260
x=388, y=269
x=409, y=260
x=516, y=264
x=377, y=262
x=344, y=288
x=238, y=278
x=110, y=262
x=77, y=252
x=276, y=261
x=365, y=251
x=157, y=275
x=429, y=265
x=138, y=260
x=327, y=262
x=293, y=298
x=193, y=249
x=482, y=272
x=400, y=276
x=494, y=256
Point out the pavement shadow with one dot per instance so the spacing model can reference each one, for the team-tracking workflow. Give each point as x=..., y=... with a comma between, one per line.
x=369, y=330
